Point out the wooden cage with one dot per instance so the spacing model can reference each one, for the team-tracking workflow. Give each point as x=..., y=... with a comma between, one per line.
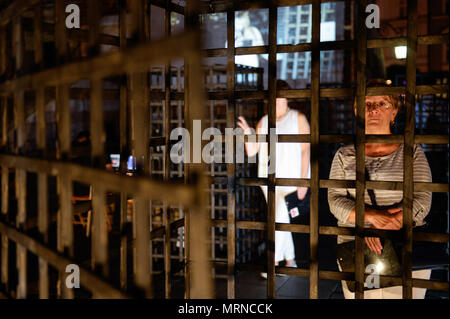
x=162, y=211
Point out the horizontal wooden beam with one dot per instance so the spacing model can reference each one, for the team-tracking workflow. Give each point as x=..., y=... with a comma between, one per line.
x=131, y=60
x=176, y=193
x=329, y=92
x=172, y=6
x=328, y=46
x=15, y=9
x=334, y=231
x=224, y=6
x=325, y=183
x=88, y=279
x=337, y=275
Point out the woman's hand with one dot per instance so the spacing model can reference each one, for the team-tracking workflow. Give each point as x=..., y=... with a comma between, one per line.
x=374, y=244
x=250, y=147
x=385, y=219
x=301, y=192
x=397, y=213
x=242, y=123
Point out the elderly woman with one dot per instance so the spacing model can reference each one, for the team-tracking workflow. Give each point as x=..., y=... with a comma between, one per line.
x=383, y=162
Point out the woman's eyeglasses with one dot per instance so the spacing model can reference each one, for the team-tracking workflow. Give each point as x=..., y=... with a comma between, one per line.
x=383, y=105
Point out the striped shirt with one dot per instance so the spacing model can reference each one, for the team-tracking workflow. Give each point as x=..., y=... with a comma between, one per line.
x=380, y=168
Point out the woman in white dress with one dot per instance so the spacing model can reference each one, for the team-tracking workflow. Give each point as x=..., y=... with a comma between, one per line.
x=292, y=161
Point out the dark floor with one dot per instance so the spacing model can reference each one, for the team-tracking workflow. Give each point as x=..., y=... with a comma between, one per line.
x=249, y=285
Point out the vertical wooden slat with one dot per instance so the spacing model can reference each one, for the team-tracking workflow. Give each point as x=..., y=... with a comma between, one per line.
x=19, y=123
x=180, y=167
x=187, y=170
x=147, y=36
x=99, y=258
x=37, y=37
x=360, y=148
x=201, y=283
x=3, y=51
x=140, y=127
x=231, y=168
x=166, y=214
x=5, y=260
x=123, y=149
x=408, y=173
x=100, y=231
x=64, y=218
x=5, y=191
x=271, y=125
x=314, y=199
x=43, y=215
x=5, y=169
x=94, y=10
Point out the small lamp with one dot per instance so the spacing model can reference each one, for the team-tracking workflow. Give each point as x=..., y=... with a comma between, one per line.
x=400, y=52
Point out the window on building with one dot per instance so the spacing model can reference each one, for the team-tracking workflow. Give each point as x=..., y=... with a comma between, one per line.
x=292, y=32
x=304, y=18
x=292, y=18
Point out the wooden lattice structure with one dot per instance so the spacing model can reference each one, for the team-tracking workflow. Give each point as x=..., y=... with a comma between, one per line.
x=167, y=197
x=129, y=65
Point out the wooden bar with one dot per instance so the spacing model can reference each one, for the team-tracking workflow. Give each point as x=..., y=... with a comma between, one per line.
x=140, y=118
x=167, y=117
x=140, y=126
x=314, y=199
x=19, y=148
x=37, y=37
x=334, y=231
x=408, y=172
x=5, y=194
x=93, y=11
x=173, y=192
x=135, y=59
x=329, y=45
x=41, y=141
x=201, y=284
x=271, y=108
x=360, y=147
x=15, y=9
x=324, y=92
x=99, y=255
x=57, y=260
x=348, y=138
x=187, y=166
x=64, y=183
x=231, y=168
x=123, y=150
x=172, y=6
x=100, y=232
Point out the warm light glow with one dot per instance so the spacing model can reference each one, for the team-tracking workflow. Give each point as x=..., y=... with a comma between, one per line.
x=380, y=267
x=400, y=52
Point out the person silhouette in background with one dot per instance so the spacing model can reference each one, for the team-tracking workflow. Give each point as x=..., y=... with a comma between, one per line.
x=292, y=161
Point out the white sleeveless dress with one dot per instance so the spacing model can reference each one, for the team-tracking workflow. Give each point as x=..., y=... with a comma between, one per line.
x=288, y=165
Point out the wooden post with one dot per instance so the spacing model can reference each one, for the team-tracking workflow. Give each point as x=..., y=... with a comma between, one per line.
x=65, y=215
x=124, y=140
x=231, y=168
x=166, y=209
x=271, y=107
x=41, y=139
x=408, y=173
x=314, y=199
x=360, y=148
